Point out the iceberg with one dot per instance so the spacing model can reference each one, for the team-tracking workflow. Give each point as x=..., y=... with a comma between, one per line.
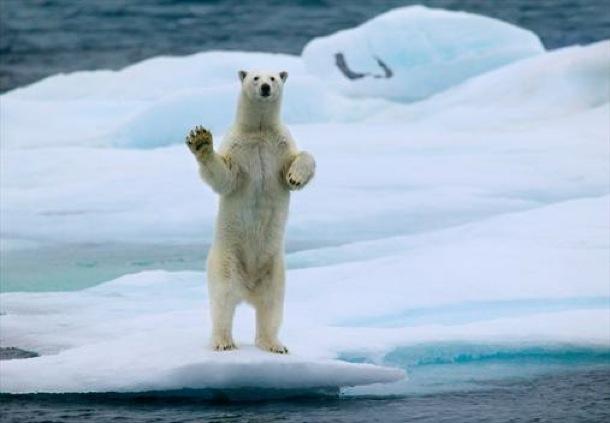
x=413, y=52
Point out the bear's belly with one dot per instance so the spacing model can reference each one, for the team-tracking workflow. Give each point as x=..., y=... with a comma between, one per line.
x=252, y=234
x=254, y=217
x=255, y=214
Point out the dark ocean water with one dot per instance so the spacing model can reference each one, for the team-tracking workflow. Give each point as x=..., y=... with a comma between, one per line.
x=43, y=37
x=570, y=397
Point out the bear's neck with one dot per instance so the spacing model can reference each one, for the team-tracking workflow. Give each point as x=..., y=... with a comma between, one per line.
x=257, y=116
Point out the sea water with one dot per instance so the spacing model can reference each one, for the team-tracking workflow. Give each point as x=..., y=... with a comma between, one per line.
x=571, y=396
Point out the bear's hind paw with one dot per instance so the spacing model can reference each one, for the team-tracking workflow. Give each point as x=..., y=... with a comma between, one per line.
x=224, y=346
x=274, y=347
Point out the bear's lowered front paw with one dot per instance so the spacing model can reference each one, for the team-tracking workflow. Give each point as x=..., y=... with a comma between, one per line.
x=272, y=346
x=298, y=174
x=223, y=345
x=199, y=141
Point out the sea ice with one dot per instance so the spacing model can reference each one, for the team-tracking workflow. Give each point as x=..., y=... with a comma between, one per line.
x=149, y=330
x=413, y=52
x=114, y=367
x=560, y=84
x=471, y=223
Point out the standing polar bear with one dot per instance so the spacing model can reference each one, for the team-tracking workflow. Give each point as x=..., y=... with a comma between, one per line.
x=255, y=169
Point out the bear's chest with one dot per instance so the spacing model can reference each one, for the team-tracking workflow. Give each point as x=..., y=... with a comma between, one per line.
x=261, y=161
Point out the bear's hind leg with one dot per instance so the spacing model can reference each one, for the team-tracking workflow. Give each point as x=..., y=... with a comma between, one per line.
x=223, y=301
x=268, y=320
x=269, y=310
x=223, y=310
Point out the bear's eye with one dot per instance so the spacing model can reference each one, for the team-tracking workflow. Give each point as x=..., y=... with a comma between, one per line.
x=256, y=78
x=272, y=78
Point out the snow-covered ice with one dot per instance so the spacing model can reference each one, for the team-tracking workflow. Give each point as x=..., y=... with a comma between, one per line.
x=473, y=223
x=413, y=52
x=558, y=84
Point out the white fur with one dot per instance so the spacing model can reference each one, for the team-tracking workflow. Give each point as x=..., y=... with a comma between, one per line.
x=254, y=171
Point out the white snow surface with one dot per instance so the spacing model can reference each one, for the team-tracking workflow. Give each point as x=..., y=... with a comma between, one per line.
x=478, y=215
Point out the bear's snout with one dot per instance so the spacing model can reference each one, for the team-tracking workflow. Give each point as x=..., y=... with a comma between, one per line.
x=265, y=90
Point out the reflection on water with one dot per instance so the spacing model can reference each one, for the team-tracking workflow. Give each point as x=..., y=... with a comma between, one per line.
x=76, y=266
x=576, y=396
x=68, y=267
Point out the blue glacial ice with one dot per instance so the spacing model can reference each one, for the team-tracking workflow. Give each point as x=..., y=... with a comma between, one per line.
x=414, y=52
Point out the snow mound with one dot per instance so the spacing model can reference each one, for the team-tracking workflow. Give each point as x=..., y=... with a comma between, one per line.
x=147, y=104
x=165, y=122
x=559, y=83
x=155, y=78
x=413, y=52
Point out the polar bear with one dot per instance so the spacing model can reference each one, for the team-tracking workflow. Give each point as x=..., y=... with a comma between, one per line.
x=254, y=171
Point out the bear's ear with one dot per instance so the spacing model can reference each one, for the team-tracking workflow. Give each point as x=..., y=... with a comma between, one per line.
x=284, y=75
x=242, y=75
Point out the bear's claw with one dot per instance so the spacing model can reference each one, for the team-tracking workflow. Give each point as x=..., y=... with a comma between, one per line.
x=274, y=347
x=297, y=179
x=224, y=346
x=280, y=350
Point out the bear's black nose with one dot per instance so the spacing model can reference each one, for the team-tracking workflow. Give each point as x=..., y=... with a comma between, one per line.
x=265, y=90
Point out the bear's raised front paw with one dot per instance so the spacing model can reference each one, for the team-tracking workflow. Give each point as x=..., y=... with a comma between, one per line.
x=223, y=345
x=271, y=346
x=298, y=175
x=199, y=141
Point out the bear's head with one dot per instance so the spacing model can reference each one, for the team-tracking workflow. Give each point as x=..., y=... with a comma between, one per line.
x=262, y=86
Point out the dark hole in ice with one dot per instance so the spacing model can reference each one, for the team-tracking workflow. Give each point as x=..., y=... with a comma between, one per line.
x=350, y=74
x=12, y=353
